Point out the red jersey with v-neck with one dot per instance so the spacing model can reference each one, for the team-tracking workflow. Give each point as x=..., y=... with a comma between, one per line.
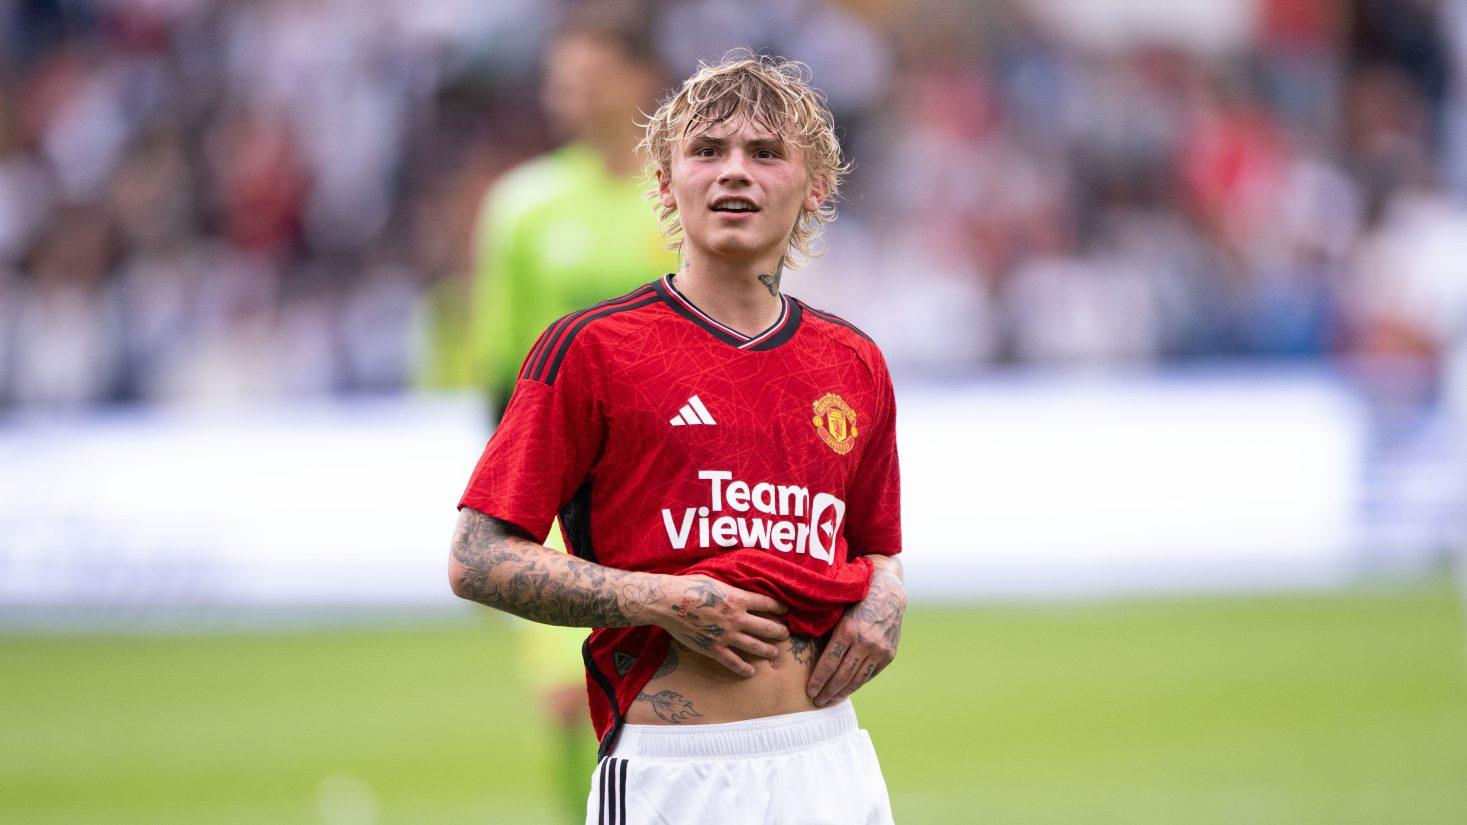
x=670, y=443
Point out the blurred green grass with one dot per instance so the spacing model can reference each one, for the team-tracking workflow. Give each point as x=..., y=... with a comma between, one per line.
x=1341, y=708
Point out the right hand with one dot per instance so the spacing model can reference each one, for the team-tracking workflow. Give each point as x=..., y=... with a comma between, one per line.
x=720, y=621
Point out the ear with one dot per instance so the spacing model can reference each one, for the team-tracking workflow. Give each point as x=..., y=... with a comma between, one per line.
x=816, y=194
x=664, y=189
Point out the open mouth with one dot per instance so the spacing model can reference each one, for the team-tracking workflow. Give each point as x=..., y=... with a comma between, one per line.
x=734, y=205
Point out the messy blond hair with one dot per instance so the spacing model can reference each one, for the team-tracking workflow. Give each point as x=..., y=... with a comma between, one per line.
x=773, y=93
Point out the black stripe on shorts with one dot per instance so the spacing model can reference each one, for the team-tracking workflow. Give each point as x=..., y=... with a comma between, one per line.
x=601, y=781
x=622, y=796
x=613, y=792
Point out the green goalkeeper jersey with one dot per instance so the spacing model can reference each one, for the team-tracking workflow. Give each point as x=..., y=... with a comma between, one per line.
x=556, y=234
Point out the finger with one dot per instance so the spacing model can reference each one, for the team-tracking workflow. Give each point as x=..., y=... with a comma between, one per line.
x=751, y=645
x=826, y=665
x=766, y=629
x=842, y=679
x=867, y=672
x=731, y=660
x=758, y=603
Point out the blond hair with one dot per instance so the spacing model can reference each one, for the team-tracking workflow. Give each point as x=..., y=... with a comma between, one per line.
x=773, y=93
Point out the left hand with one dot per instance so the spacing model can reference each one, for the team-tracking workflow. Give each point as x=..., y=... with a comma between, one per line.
x=865, y=640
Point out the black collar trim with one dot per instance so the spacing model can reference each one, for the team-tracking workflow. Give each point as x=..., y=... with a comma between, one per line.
x=780, y=331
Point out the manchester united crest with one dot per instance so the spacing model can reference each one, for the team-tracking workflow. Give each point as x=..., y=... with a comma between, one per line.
x=836, y=422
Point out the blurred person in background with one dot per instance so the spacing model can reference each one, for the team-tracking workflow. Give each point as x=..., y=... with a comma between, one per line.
x=572, y=227
x=560, y=232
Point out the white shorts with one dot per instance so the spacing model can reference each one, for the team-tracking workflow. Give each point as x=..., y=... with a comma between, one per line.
x=807, y=768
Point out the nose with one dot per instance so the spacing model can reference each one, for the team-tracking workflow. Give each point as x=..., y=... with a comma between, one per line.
x=735, y=169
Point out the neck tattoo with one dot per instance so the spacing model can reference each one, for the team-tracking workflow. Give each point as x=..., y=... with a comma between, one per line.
x=771, y=280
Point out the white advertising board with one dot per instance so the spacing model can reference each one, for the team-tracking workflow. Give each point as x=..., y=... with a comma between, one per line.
x=1011, y=488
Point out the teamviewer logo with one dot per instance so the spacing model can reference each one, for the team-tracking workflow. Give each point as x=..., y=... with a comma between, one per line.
x=784, y=518
x=826, y=514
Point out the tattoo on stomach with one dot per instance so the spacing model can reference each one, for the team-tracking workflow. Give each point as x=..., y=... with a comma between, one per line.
x=669, y=663
x=802, y=648
x=670, y=706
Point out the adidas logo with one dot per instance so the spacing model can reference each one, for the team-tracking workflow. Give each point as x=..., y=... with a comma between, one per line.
x=692, y=412
x=623, y=662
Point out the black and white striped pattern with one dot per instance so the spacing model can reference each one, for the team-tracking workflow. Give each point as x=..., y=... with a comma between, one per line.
x=613, y=785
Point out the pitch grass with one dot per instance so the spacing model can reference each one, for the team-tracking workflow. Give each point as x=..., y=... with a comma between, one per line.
x=1301, y=709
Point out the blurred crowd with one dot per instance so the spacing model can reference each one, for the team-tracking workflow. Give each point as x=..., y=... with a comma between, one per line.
x=239, y=199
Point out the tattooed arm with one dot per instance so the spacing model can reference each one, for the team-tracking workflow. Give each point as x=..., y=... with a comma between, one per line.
x=495, y=563
x=866, y=638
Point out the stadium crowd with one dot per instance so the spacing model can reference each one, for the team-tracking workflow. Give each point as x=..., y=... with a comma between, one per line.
x=238, y=199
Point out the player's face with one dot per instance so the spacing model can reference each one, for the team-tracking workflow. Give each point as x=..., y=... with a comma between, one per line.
x=589, y=84
x=738, y=189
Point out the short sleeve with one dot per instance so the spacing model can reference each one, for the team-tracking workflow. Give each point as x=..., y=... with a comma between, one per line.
x=874, y=523
x=544, y=447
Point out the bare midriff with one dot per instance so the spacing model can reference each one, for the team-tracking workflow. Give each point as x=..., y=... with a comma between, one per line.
x=696, y=690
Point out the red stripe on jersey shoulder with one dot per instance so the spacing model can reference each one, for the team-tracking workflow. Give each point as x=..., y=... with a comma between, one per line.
x=546, y=356
x=835, y=319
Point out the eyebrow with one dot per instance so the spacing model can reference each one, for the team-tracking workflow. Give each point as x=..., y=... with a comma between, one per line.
x=774, y=142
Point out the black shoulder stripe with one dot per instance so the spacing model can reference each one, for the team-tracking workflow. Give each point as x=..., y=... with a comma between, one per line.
x=563, y=345
x=527, y=369
x=557, y=330
x=537, y=355
x=837, y=320
x=541, y=353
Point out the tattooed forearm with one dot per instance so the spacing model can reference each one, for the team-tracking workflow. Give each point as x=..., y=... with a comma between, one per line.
x=802, y=648
x=771, y=280
x=498, y=565
x=883, y=606
x=890, y=565
x=670, y=706
x=886, y=601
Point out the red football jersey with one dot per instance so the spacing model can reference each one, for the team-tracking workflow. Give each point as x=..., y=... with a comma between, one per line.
x=670, y=443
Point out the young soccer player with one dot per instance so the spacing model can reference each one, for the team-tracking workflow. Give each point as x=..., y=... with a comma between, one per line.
x=722, y=458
